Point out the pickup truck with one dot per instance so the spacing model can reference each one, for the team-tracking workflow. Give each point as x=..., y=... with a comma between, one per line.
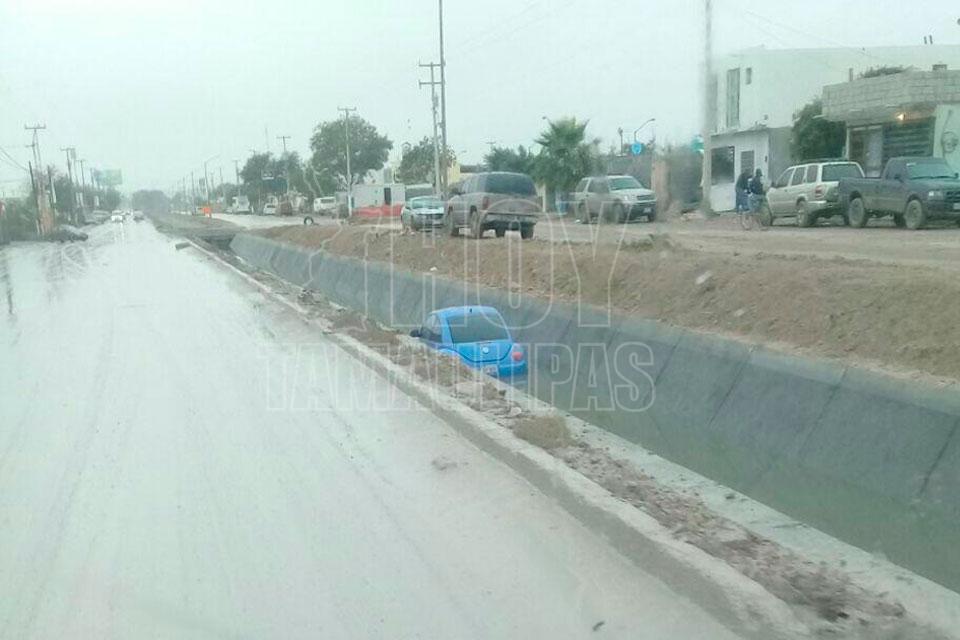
x=912, y=190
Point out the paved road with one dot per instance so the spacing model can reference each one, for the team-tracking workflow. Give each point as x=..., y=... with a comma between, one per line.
x=169, y=468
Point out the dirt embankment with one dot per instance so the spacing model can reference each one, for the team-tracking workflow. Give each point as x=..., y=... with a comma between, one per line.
x=904, y=319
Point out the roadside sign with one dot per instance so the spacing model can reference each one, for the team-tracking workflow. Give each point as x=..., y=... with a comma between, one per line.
x=637, y=148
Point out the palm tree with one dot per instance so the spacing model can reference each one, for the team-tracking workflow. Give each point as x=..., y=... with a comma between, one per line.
x=565, y=156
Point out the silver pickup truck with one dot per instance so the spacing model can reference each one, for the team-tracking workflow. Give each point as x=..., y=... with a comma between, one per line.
x=499, y=200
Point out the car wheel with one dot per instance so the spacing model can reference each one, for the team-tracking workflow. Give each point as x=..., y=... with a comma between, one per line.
x=899, y=220
x=307, y=220
x=804, y=219
x=619, y=213
x=915, y=217
x=526, y=231
x=500, y=231
x=476, y=224
x=582, y=213
x=857, y=213
x=453, y=230
x=652, y=217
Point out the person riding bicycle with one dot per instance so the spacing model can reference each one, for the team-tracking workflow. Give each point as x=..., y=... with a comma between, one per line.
x=742, y=191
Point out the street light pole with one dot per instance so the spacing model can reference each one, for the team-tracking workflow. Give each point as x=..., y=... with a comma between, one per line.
x=443, y=95
x=638, y=129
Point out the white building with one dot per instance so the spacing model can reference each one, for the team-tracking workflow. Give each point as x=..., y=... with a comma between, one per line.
x=759, y=90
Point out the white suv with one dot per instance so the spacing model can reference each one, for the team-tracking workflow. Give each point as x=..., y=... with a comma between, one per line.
x=810, y=191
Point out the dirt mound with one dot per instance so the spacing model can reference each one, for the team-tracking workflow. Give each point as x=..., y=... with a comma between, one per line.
x=896, y=317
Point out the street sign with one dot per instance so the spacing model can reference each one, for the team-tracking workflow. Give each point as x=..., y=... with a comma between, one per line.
x=697, y=144
x=637, y=148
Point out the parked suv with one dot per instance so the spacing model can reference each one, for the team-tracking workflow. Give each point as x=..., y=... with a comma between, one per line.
x=500, y=201
x=810, y=191
x=614, y=199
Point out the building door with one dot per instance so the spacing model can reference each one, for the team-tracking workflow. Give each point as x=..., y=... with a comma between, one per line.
x=866, y=147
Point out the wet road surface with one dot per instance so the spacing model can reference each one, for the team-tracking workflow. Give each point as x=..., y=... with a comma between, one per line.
x=182, y=458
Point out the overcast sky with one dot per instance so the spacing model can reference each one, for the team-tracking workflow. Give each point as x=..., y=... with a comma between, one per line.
x=153, y=87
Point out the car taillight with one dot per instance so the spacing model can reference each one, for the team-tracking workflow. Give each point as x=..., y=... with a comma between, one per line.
x=486, y=202
x=819, y=191
x=517, y=354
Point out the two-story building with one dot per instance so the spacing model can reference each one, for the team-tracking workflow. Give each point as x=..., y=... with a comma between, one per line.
x=759, y=90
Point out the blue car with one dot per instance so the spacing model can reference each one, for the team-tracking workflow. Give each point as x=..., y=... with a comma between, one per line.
x=478, y=336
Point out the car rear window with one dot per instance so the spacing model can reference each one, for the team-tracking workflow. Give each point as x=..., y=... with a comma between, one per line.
x=476, y=327
x=834, y=172
x=509, y=183
x=426, y=203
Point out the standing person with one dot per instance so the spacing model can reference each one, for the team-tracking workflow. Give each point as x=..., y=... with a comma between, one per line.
x=742, y=189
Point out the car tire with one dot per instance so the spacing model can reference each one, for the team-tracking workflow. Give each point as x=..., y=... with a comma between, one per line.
x=857, y=213
x=899, y=221
x=526, y=231
x=804, y=218
x=914, y=216
x=652, y=217
x=500, y=231
x=307, y=220
x=453, y=230
x=582, y=213
x=619, y=213
x=476, y=224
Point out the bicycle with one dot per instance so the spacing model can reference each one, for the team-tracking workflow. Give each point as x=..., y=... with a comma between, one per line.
x=754, y=215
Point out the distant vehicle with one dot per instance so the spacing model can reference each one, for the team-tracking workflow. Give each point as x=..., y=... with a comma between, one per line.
x=286, y=207
x=419, y=190
x=66, y=233
x=614, y=199
x=912, y=190
x=478, y=336
x=241, y=205
x=423, y=212
x=500, y=201
x=809, y=192
x=138, y=216
x=325, y=205
x=269, y=209
x=116, y=217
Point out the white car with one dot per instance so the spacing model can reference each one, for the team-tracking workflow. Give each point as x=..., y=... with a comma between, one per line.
x=241, y=205
x=614, y=199
x=116, y=217
x=270, y=209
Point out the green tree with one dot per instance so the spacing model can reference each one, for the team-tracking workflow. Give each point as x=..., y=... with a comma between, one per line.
x=368, y=149
x=150, y=201
x=417, y=164
x=519, y=160
x=565, y=156
x=109, y=199
x=66, y=200
x=883, y=70
x=262, y=175
x=815, y=137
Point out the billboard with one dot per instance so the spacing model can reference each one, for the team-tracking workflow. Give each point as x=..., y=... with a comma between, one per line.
x=108, y=177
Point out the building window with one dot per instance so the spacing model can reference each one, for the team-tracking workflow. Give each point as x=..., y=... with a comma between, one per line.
x=733, y=98
x=747, y=162
x=723, y=169
x=749, y=78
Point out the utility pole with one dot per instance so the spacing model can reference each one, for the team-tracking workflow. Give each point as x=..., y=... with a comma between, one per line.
x=71, y=153
x=83, y=184
x=438, y=187
x=43, y=210
x=708, y=112
x=286, y=165
x=346, y=117
x=223, y=192
x=443, y=96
